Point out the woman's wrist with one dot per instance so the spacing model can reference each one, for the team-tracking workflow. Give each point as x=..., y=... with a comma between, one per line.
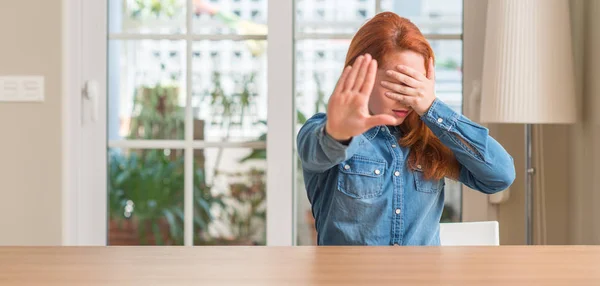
x=340, y=139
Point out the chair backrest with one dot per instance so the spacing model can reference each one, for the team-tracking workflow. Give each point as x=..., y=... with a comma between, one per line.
x=470, y=233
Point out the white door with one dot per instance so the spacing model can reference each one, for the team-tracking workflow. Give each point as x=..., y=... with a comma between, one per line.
x=84, y=200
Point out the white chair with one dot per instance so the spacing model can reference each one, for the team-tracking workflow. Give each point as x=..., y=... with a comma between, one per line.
x=469, y=233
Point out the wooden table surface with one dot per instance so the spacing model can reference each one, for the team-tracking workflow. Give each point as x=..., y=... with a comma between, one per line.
x=504, y=265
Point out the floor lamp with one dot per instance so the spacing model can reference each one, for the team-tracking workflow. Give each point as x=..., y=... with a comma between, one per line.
x=528, y=74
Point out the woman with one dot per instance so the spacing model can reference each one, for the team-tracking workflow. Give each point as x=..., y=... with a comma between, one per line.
x=374, y=165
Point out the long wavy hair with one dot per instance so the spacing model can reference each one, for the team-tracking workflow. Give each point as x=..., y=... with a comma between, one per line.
x=388, y=33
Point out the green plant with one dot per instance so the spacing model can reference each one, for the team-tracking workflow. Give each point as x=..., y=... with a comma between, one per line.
x=156, y=113
x=245, y=201
x=147, y=188
x=320, y=104
x=141, y=8
x=247, y=224
x=448, y=64
x=232, y=108
x=247, y=207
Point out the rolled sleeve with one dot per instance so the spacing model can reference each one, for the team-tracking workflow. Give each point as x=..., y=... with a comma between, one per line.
x=318, y=150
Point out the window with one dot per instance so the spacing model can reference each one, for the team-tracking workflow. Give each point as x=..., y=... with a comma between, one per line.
x=321, y=47
x=187, y=105
x=186, y=132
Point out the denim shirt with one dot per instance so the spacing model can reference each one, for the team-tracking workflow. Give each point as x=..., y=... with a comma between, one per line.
x=364, y=193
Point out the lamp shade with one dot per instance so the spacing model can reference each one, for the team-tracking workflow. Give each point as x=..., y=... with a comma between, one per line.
x=528, y=73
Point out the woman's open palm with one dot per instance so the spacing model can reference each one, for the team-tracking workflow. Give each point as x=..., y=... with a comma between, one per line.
x=348, y=111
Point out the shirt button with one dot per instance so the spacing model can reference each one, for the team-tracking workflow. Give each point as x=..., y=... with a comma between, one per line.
x=419, y=167
x=347, y=167
x=377, y=172
x=440, y=120
x=396, y=173
x=397, y=211
x=393, y=145
x=382, y=128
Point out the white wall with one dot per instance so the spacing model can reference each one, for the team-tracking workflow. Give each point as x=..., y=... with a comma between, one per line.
x=30, y=144
x=571, y=153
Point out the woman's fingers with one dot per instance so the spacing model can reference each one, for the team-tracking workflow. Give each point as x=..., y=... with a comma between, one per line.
x=402, y=98
x=342, y=80
x=381, y=119
x=360, y=77
x=411, y=73
x=402, y=78
x=369, y=79
x=431, y=70
x=398, y=88
x=353, y=73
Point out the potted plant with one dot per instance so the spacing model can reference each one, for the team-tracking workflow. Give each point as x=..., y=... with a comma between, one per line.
x=243, y=212
x=146, y=199
x=145, y=193
x=146, y=186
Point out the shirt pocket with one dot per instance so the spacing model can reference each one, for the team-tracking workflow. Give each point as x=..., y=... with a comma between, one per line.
x=361, y=177
x=427, y=186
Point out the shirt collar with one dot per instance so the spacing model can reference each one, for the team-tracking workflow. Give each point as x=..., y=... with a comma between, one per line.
x=371, y=133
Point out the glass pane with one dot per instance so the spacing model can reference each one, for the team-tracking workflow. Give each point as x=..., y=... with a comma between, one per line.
x=230, y=196
x=448, y=72
x=230, y=90
x=332, y=16
x=431, y=16
x=318, y=67
x=146, y=87
x=147, y=16
x=145, y=197
x=240, y=17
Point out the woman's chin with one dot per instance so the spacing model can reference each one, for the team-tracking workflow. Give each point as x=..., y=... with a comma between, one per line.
x=398, y=121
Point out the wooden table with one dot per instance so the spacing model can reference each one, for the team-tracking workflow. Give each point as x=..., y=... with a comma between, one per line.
x=504, y=265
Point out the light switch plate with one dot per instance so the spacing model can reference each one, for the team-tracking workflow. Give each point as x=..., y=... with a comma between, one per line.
x=21, y=88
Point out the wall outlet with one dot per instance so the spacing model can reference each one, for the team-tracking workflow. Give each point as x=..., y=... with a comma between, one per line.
x=21, y=88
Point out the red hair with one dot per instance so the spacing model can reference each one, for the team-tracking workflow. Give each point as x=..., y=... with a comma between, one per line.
x=387, y=33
